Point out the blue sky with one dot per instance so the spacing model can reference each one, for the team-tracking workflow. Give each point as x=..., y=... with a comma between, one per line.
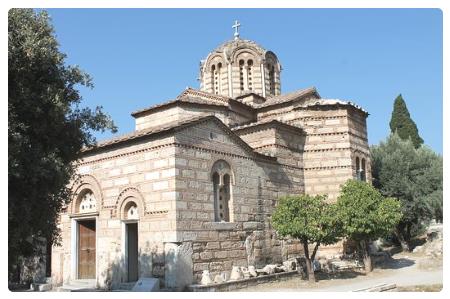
x=140, y=57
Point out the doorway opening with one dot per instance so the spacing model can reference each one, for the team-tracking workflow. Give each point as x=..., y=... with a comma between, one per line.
x=86, y=249
x=132, y=251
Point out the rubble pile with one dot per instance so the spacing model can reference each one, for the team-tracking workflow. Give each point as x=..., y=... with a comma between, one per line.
x=238, y=273
x=433, y=245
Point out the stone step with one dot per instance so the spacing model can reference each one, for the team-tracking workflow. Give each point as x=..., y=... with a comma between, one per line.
x=127, y=286
x=79, y=285
x=379, y=288
x=40, y=287
x=68, y=288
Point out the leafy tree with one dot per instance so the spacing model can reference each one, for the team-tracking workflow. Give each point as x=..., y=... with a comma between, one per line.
x=366, y=215
x=402, y=123
x=309, y=219
x=414, y=176
x=46, y=130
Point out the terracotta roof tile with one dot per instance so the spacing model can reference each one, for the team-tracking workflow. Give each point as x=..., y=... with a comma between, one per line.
x=147, y=132
x=332, y=102
x=289, y=97
x=194, y=96
x=264, y=122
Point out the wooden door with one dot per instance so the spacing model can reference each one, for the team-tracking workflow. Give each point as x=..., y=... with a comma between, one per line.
x=86, y=249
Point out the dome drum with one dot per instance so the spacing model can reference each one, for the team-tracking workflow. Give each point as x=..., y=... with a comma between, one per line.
x=239, y=67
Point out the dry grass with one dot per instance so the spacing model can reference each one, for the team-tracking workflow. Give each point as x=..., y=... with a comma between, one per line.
x=421, y=288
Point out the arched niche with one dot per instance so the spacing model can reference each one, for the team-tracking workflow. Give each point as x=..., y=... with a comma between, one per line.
x=246, y=54
x=222, y=167
x=130, y=204
x=271, y=59
x=87, y=195
x=214, y=60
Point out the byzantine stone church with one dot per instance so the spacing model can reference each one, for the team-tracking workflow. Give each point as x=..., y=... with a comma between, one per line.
x=192, y=188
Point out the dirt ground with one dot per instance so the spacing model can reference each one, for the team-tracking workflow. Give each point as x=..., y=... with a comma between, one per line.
x=406, y=270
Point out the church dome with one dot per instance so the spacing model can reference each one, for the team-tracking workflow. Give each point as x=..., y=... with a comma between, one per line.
x=236, y=44
x=238, y=67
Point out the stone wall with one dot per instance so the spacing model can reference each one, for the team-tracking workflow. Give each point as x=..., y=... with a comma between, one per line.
x=248, y=237
x=335, y=135
x=169, y=177
x=141, y=172
x=276, y=140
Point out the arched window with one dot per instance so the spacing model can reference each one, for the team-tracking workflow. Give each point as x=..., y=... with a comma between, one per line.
x=249, y=74
x=213, y=81
x=130, y=211
x=272, y=79
x=363, y=170
x=222, y=188
x=358, y=172
x=87, y=202
x=217, y=79
x=241, y=74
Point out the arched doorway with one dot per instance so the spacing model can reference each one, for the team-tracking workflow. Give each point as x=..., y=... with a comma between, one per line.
x=86, y=232
x=130, y=218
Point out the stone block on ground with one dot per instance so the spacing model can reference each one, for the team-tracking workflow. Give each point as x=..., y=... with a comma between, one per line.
x=252, y=271
x=236, y=273
x=206, y=278
x=146, y=285
x=269, y=269
x=220, y=278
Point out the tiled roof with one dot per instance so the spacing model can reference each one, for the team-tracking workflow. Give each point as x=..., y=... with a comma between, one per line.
x=264, y=122
x=289, y=97
x=179, y=124
x=147, y=132
x=332, y=102
x=194, y=96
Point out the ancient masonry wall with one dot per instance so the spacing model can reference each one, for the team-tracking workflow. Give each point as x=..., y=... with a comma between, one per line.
x=248, y=238
x=327, y=153
x=359, y=141
x=141, y=172
x=333, y=136
x=157, y=118
x=284, y=144
x=160, y=118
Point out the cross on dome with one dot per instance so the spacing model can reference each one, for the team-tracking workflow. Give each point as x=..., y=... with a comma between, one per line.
x=236, y=29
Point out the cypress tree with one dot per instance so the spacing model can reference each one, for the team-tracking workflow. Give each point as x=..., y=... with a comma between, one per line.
x=402, y=123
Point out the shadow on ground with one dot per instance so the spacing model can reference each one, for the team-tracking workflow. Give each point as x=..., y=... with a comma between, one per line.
x=396, y=263
x=347, y=274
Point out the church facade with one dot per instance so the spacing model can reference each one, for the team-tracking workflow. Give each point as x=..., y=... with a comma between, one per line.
x=193, y=187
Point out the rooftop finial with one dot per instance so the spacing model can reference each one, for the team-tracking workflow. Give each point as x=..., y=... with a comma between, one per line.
x=236, y=29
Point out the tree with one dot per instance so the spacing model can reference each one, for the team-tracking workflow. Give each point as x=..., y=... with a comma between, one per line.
x=366, y=215
x=47, y=128
x=309, y=219
x=402, y=123
x=414, y=176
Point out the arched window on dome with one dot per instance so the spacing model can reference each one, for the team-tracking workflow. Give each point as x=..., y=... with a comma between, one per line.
x=272, y=79
x=217, y=78
x=241, y=74
x=250, y=74
x=213, y=71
